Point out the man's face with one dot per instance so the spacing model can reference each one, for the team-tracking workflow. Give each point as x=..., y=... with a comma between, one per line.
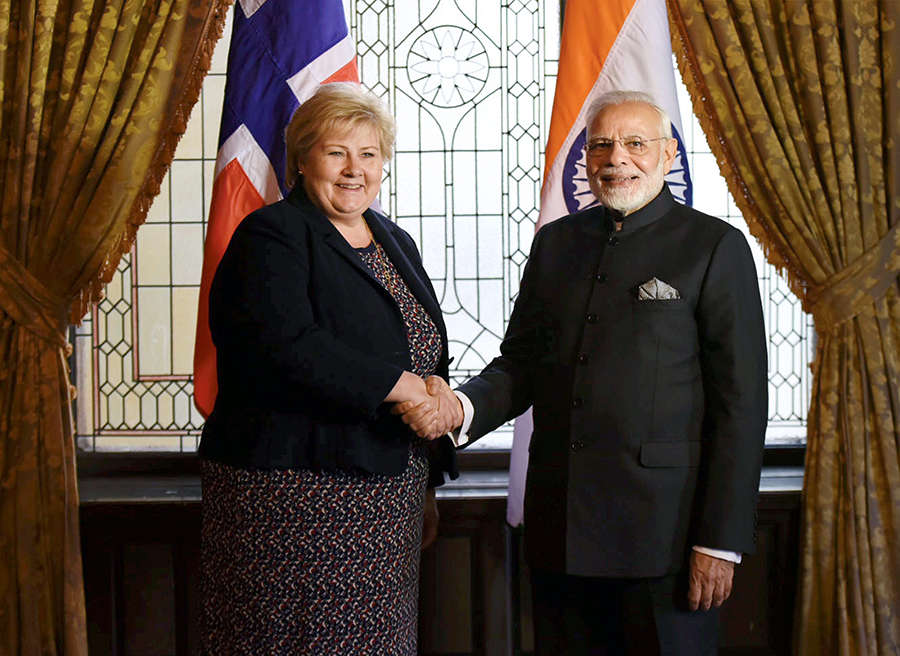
x=621, y=177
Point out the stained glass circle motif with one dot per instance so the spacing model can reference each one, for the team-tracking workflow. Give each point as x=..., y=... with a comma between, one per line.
x=447, y=66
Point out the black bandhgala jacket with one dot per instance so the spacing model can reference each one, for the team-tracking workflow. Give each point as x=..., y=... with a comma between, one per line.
x=649, y=415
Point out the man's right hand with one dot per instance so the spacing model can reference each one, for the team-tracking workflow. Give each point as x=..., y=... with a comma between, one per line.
x=421, y=418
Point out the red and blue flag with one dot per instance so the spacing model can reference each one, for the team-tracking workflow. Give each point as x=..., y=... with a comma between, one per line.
x=281, y=50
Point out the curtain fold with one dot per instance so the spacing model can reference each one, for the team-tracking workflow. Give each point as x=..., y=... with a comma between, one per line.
x=94, y=96
x=800, y=102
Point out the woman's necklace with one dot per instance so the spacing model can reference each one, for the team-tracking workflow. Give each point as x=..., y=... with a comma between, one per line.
x=379, y=258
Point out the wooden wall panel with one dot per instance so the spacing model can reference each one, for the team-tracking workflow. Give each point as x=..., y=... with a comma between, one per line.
x=446, y=586
x=758, y=618
x=141, y=568
x=148, y=599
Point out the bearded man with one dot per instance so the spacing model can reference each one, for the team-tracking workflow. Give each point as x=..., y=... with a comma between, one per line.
x=638, y=339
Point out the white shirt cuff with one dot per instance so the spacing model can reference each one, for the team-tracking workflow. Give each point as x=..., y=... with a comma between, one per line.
x=733, y=556
x=460, y=436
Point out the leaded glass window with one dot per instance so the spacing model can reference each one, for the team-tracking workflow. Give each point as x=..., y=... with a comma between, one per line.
x=471, y=84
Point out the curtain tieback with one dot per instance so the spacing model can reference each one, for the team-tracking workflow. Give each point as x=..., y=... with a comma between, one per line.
x=865, y=281
x=30, y=304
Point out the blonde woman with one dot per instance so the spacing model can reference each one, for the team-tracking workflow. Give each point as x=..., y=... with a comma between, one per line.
x=313, y=492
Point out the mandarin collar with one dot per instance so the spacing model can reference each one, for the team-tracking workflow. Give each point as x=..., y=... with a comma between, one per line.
x=652, y=211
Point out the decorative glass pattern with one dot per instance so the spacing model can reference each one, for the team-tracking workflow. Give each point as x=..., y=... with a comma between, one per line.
x=447, y=66
x=471, y=85
x=790, y=330
x=134, y=351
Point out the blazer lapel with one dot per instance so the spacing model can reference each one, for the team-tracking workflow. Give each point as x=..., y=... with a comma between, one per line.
x=331, y=237
x=378, y=226
x=335, y=240
x=418, y=287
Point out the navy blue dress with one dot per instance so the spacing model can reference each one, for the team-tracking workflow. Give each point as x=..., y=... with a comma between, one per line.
x=306, y=562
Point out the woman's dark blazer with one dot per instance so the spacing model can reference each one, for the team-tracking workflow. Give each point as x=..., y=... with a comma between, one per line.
x=308, y=344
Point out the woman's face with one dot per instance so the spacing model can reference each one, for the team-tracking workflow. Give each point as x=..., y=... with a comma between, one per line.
x=342, y=171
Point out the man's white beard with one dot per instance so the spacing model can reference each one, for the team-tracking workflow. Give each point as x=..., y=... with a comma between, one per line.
x=628, y=200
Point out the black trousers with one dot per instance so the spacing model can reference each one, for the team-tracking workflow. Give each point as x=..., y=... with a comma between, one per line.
x=587, y=616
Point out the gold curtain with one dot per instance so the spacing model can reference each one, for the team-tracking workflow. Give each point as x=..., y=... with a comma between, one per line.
x=95, y=94
x=800, y=101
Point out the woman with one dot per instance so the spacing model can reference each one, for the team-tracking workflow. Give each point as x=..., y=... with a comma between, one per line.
x=313, y=492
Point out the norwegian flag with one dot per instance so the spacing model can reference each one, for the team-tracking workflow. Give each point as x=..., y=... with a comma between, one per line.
x=281, y=50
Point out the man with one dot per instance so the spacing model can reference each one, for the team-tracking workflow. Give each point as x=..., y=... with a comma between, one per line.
x=638, y=339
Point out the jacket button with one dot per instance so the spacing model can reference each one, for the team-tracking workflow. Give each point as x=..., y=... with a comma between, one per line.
x=576, y=445
x=592, y=318
x=613, y=241
x=577, y=402
x=601, y=277
x=582, y=358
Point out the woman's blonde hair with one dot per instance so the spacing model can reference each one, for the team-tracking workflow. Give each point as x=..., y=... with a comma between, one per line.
x=337, y=103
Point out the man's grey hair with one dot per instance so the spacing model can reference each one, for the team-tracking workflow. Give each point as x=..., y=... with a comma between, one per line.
x=620, y=98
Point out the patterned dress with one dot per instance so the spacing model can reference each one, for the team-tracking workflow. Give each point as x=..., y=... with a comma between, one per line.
x=312, y=563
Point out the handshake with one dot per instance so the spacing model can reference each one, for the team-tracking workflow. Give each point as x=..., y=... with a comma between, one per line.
x=434, y=413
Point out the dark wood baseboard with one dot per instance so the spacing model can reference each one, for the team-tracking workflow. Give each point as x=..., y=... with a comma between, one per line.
x=141, y=547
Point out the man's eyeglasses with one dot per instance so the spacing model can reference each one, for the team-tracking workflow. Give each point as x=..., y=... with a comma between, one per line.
x=634, y=145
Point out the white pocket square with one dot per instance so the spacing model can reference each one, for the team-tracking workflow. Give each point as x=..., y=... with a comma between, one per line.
x=655, y=289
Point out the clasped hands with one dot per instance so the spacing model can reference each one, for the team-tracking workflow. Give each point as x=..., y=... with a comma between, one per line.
x=438, y=413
